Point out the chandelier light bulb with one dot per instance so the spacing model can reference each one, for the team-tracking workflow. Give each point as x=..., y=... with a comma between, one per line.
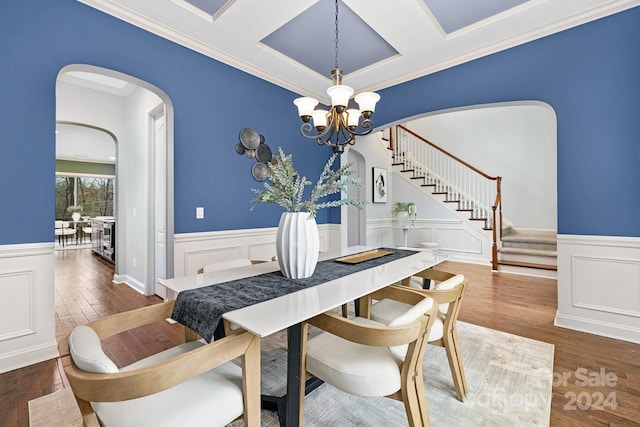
x=340, y=95
x=367, y=101
x=353, y=117
x=305, y=107
x=320, y=119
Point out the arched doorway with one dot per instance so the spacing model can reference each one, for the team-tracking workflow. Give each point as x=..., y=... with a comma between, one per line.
x=131, y=109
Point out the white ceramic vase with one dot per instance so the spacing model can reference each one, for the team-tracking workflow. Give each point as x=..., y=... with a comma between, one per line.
x=403, y=219
x=76, y=216
x=297, y=245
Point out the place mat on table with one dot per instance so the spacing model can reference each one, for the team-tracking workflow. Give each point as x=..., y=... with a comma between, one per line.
x=201, y=309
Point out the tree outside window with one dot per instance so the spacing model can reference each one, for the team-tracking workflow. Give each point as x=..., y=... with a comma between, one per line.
x=94, y=194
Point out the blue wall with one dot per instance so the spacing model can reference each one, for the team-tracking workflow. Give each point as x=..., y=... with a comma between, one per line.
x=588, y=74
x=212, y=103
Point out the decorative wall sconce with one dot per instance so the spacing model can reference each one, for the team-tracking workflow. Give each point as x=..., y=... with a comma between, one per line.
x=253, y=145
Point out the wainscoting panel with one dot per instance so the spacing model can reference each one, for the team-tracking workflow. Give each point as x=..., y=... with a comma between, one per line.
x=599, y=291
x=455, y=238
x=27, y=307
x=19, y=288
x=599, y=285
x=193, y=250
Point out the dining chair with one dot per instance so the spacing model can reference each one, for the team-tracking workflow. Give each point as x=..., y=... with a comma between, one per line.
x=224, y=265
x=449, y=289
x=366, y=358
x=87, y=231
x=63, y=231
x=192, y=384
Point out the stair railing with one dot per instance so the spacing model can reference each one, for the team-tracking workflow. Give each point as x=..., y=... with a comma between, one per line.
x=473, y=190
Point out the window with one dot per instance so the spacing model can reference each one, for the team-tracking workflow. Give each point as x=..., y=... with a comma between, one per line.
x=94, y=194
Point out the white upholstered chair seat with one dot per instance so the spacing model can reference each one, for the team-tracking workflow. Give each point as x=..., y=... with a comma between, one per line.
x=354, y=368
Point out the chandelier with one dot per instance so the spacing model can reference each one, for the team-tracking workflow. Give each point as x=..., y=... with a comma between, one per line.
x=340, y=125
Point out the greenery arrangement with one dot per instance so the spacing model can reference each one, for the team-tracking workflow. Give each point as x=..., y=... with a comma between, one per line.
x=286, y=187
x=74, y=209
x=408, y=207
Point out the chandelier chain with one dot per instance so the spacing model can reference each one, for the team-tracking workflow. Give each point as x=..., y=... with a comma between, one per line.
x=336, y=64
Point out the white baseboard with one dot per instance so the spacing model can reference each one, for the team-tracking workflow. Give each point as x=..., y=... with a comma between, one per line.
x=607, y=329
x=131, y=282
x=28, y=356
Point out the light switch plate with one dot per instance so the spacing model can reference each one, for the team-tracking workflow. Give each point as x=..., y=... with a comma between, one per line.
x=199, y=213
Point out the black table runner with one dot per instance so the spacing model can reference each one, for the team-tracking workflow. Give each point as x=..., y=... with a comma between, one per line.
x=201, y=309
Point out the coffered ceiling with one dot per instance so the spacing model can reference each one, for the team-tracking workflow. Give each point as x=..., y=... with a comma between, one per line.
x=381, y=42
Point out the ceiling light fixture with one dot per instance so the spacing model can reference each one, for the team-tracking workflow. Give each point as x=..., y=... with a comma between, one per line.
x=340, y=125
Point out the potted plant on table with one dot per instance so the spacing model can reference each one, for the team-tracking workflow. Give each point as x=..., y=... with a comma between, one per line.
x=402, y=210
x=297, y=240
x=76, y=212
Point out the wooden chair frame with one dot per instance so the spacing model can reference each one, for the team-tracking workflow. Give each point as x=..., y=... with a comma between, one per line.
x=140, y=382
x=449, y=338
x=412, y=392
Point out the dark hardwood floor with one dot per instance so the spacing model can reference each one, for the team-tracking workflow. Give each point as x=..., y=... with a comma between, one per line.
x=516, y=304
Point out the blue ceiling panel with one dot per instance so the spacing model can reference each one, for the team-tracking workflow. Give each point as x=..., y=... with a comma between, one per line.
x=456, y=14
x=210, y=7
x=309, y=39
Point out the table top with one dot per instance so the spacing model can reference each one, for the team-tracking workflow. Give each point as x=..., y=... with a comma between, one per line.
x=277, y=314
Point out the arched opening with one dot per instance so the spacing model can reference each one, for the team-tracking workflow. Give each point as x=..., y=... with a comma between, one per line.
x=140, y=116
x=515, y=140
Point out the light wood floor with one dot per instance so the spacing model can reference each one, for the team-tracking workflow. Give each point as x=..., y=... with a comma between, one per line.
x=516, y=304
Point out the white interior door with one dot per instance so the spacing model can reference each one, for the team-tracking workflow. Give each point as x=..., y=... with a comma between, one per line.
x=160, y=200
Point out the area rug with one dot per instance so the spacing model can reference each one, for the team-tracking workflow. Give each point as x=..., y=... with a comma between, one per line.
x=509, y=379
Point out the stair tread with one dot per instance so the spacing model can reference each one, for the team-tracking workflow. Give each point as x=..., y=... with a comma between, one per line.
x=527, y=251
x=531, y=236
x=529, y=265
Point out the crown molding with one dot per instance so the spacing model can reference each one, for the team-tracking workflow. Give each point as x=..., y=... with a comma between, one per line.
x=159, y=29
x=588, y=16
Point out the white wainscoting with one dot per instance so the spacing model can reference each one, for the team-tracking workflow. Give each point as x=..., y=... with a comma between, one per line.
x=599, y=285
x=455, y=238
x=27, y=306
x=193, y=250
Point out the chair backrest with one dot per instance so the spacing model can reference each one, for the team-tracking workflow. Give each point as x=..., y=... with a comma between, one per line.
x=62, y=224
x=93, y=377
x=223, y=265
x=87, y=353
x=450, y=283
x=414, y=313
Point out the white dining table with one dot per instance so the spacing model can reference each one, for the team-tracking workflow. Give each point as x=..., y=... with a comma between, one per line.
x=288, y=312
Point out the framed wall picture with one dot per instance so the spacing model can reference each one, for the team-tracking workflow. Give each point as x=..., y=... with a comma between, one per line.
x=380, y=185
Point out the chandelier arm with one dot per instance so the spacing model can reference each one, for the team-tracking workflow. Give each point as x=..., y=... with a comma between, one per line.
x=325, y=138
x=306, y=128
x=367, y=125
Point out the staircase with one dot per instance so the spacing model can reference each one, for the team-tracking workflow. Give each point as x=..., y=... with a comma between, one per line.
x=474, y=195
x=529, y=251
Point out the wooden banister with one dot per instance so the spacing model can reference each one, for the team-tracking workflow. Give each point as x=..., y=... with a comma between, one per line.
x=445, y=152
x=482, y=194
